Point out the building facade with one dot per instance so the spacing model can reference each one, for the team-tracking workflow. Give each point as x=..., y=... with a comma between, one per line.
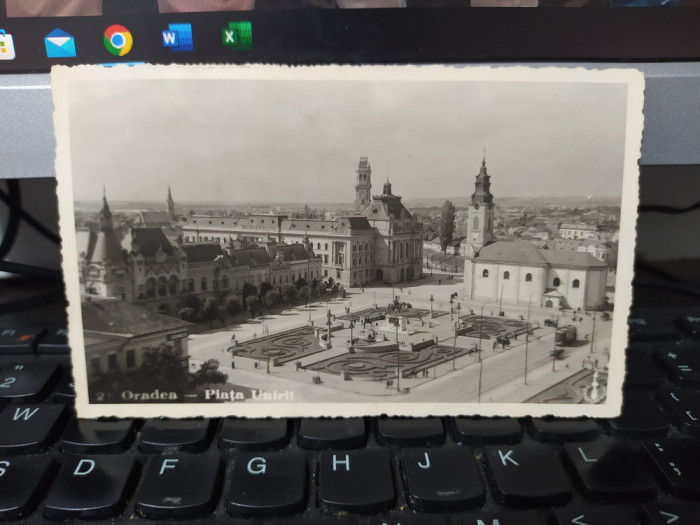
x=518, y=272
x=381, y=242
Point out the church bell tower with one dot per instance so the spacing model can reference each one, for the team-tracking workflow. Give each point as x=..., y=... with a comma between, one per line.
x=363, y=186
x=480, y=214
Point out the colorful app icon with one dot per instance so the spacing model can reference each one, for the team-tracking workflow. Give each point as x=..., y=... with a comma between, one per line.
x=118, y=40
x=178, y=37
x=59, y=44
x=238, y=35
x=7, y=46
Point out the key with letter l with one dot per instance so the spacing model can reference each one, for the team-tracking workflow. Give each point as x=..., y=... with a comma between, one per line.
x=267, y=483
x=91, y=487
x=609, y=470
x=356, y=481
x=527, y=475
x=179, y=487
x=442, y=479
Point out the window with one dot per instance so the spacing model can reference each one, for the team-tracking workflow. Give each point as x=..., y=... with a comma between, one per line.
x=130, y=358
x=151, y=287
x=112, y=362
x=556, y=282
x=203, y=285
x=319, y=246
x=162, y=284
x=172, y=285
x=95, y=365
x=485, y=273
x=475, y=225
x=528, y=277
x=325, y=259
x=190, y=285
x=506, y=275
x=575, y=284
x=326, y=246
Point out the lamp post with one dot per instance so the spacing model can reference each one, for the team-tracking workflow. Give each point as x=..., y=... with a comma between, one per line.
x=267, y=348
x=481, y=363
x=352, y=325
x=527, y=334
x=452, y=300
x=593, y=334
x=454, y=341
x=328, y=336
x=432, y=299
x=398, y=357
x=500, y=302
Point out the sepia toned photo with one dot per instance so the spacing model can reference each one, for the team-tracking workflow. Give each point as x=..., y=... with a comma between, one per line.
x=335, y=241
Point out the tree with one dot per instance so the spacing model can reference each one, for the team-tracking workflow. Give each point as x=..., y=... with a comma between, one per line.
x=208, y=373
x=272, y=298
x=192, y=301
x=315, y=286
x=209, y=308
x=233, y=304
x=304, y=293
x=300, y=283
x=186, y=314
x=290, y=292
x=253, y=304
x=248, y=289
x=264, y=288
x=447, y=225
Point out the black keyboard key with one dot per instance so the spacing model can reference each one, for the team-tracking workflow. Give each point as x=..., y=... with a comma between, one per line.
x=652, y=326
x=55, y=341
x=318, y=434
x=690, y=325
x=487, y=431
x=23, y=481
x=179, y=487
x=357, y=481
x=87, y=436
x=682, y=364
x=594, y=516
x=642, y=370
x=253, y=434
x=90, y=488
x=676, y=513
x=684, y=409
x=25, y=383
x=411, y=432
x=676, y=462
x=170, y=435
x=563, y=430
x=19, y=340
x=501, y=517
x=405, y=519
x=640, y=417
x=609, y=471
x=65, y=390
x=272, y=483
x=442, y=479
x=28, y=429
x=527, y=475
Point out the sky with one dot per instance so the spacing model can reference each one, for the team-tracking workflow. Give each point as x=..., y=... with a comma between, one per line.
x=242, y=141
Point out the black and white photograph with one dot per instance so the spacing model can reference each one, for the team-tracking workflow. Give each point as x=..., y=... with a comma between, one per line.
x=336, y=240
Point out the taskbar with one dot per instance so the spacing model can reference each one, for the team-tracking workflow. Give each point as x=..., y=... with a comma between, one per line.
x=447, y=35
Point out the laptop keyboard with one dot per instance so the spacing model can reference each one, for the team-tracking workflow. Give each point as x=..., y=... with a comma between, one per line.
x=642, y=468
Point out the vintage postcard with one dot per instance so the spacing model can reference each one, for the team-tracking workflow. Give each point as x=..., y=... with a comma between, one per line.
x=335, y=241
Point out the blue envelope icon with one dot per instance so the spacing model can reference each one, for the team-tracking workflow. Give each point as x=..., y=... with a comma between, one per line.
x=59, y=44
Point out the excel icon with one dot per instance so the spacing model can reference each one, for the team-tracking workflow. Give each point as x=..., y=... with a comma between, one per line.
x=238, y=35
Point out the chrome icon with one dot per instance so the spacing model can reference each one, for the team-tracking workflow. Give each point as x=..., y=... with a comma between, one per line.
x=118, y=40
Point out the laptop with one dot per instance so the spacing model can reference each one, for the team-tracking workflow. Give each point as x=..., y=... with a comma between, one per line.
x=639, y=468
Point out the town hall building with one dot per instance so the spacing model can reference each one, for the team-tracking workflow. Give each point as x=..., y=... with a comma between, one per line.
x=518, y=272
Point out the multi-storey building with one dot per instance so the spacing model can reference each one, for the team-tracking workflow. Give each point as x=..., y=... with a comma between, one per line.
x=381, y=242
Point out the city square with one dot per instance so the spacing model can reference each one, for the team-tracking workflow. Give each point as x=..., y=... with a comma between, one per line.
x=286, y=352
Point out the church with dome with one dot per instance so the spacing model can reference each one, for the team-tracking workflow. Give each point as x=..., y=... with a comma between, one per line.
x=517, y=272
